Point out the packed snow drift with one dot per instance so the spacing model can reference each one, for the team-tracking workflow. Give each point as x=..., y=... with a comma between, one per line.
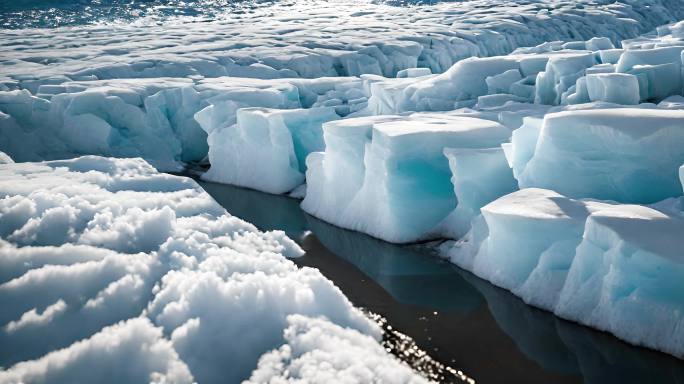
x=110, y=266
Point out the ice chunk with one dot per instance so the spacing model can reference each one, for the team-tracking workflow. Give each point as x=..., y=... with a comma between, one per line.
x=479, y=176
x=267, y=148
x=610, y=56
x=562, y=71
x=466, y=80
x=657, y=82
x=501, y=83
x=628, y=154
x=512, y=257
x=599, y=43
x=658, y=69
x=613, y=267
x=386, y=94
x=626, y=277
x=414, y=72
x=618, y=88
x=406, y=190
x=5, y=159
x=346, y=142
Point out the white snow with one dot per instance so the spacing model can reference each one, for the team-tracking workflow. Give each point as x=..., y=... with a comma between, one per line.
x=267, y=42
x=113, y=272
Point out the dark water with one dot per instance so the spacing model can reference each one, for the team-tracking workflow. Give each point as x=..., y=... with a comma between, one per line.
x=459, y=319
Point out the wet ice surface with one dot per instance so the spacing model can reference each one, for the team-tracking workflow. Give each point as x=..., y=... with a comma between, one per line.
x=458, y=319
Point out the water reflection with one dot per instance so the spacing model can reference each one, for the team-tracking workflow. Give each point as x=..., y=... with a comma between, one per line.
x=458, y=318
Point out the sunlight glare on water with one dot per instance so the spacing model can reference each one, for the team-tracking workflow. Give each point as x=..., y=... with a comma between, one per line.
x=49, y=13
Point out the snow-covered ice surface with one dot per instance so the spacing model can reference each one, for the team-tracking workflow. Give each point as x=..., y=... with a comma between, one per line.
x=525, y=130
x=314, y=39
x=111, y=267
x=78, y=77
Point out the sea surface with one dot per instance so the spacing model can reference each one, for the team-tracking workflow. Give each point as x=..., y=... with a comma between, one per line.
x=18, y=14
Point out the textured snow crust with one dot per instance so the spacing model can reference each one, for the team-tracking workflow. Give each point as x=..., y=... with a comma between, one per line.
x=323, y=39
x=113, y=272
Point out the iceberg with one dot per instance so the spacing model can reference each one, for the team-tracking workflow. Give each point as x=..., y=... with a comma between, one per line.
x=615, y=267
x=399, y=188
x=266, y=149
x=606, y=154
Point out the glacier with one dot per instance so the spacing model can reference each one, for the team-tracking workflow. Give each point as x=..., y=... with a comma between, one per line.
x=539, y=142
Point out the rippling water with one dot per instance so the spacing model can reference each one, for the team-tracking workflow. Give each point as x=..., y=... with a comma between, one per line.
x=54, y=13
x=16, y=14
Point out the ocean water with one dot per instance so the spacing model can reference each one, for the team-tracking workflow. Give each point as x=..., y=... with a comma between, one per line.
x=18, y=14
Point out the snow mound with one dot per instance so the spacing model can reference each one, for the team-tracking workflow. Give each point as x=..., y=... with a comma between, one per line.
x=610, y=266
x=627, y=155
x=106, y=263
x=317, y=351
x=399, y=186
x=135, y=344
